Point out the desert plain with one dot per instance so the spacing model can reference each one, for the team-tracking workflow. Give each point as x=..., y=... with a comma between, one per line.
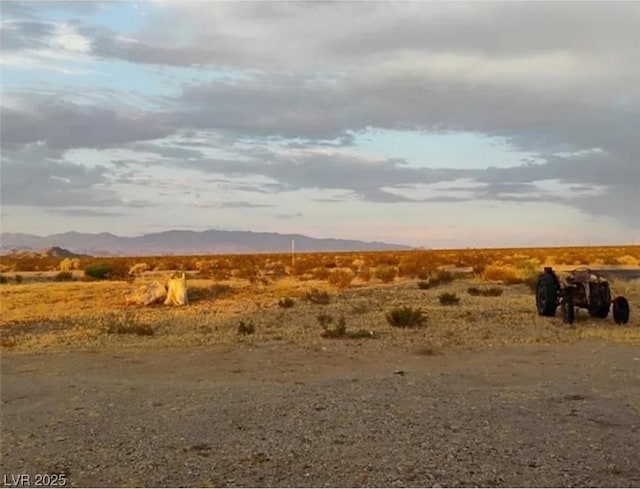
x=290, y=371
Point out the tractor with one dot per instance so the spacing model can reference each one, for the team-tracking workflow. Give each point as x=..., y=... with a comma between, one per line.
x=582, y=288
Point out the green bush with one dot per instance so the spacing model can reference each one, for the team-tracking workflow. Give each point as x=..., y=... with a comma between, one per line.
x=103, y=270
x=513, y=281
x=215, y=291
x=445, y=277
x=341, y=278
x=338, y=331
x=488, y=292
x=286, y=302
x=324, y=319
x=125, y=324
x=246, y=328
x=406, y=317
x=63, y=277
x=316, y=296
x=532, y=283
x=448, y=299
x=386, y=273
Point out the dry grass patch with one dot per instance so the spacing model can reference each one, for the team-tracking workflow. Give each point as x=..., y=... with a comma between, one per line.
x=76, y=315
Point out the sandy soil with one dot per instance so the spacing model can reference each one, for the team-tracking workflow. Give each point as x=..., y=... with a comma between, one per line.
x=273, y=414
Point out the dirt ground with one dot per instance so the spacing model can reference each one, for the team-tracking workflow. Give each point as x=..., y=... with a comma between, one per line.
x=346, y=415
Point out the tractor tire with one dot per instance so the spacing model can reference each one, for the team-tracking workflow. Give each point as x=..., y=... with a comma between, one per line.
x=546, y=295
x=600, y=312
x=567, y=308
x=621, y=310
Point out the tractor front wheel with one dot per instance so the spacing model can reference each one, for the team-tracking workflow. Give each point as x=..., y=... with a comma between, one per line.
x=621, y=310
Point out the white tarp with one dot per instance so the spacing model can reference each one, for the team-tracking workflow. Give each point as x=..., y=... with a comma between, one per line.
x=177, y=293
x=147, y=294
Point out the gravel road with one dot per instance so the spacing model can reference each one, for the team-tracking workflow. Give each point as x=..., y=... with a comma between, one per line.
x=350, y=415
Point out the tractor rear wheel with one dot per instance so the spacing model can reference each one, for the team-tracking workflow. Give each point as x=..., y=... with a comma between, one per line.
x=621, y=310
x=568, y=308
x=599, y=311
x=546, y=295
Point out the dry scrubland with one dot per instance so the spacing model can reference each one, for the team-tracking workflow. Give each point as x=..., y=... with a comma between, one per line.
x=245, y=299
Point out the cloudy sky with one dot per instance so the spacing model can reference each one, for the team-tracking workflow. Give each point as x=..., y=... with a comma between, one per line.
x=431, y=124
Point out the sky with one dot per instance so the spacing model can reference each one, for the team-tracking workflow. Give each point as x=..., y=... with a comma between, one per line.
x=431, y=124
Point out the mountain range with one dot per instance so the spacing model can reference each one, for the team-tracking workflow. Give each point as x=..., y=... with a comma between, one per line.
x=180, y=242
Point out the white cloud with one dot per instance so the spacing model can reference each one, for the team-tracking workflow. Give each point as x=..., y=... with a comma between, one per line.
x=67, y=38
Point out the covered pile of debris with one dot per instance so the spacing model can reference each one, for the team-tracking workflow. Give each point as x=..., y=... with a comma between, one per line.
x=174, y=292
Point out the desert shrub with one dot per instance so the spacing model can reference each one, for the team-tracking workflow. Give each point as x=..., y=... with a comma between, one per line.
x=18, y=278
x=448, y=299
x=220, y=274
x=106, y=270
x=124, y=324
x=528, y=270
x=204, y=267
x=413, y=267
x=99, y=270
x=316, y=296
x=364, y=274
x=249, y=273
x=324, y=319
x=341, y=278
x=170, y=264
x=406, y=317
x=388, y=260
x=445, y=277
x=215, y=291
x=628, y=260
x=360, y=308
x=478, y=267
x=286, y=302
x=137, y=329
x=501, y=273
x=69, y=264
x=442, y=277
x=138, y=269
x=513, y=281
x=340, y=329
x=329, y=263
x=386, y=273
x=246, y=328
x=475, y=291
x=3, y=279
x=357, y=264
x=276, y=270
x=488, y=292
x=28, y=265
x=63, y=277
x=361, y=333
x=321, y=273
x=531, y=283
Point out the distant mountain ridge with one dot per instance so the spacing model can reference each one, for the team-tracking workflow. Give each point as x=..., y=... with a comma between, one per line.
x=179, y=242
x=53, y=252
